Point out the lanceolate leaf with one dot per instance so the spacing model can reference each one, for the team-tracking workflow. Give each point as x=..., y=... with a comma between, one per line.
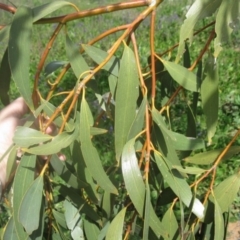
x=189, y=170
x=138, y=122
x=45, y=9
x=31, y=203
x=209, y=157
x=5, y=79
x=4, y=32
x=23, y=179
x=126, y=98
x=53, y=66
x=199, y=10
x=182, y=75
x=9, y=231
x=72, y=215
x=89, y=152
x=19, y=48
x=59, y=142
x=62, y=170
x=77, y=62
x=136, y=187
x=227, y=16
x=218, y=221
x=25, y=137
x=146, y=213
x=115, y=230
x=99, y=56
x=178, y=184
x=91, y=229
x=227, y=191
x=170, y=222
x=209, y=93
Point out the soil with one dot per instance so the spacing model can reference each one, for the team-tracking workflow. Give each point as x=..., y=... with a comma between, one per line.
x=233, y=231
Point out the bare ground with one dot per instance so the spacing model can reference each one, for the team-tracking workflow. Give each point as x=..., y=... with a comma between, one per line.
x=233, y=231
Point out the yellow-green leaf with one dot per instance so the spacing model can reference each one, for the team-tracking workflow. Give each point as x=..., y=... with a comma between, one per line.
x=45, y=9
x=206, y=158
x=136, y=188
x=199, y=10
x=170, y=222
x=178, y=184
x=77, y=62
x=126, y=99
x=226, y=191
x=25, y=137
x=57, y=143
x=182, y=75
x=218, y=221
x=226, y=19
x=23, y=179
x=19, y=49
x=115, y=230
x=31, y=203
x=99, y=56
x=209, y=94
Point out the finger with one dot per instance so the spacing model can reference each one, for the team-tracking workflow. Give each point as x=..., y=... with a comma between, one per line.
x=17, y=108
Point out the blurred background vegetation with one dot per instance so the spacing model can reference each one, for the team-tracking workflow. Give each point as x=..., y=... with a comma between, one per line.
x=169, y=19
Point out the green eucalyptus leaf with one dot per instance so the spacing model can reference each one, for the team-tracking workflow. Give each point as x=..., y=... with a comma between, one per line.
x=72, y=215
x=189, y=170
x=178, y=184
x=226, y=191
x=91, y=229
x=162, y=140
x=89, y=152
x=112, y=82
x=126, y=99
x=11, y=163
x=115, y=230
x=182, y=75
x=77, y=62
x=5, y=79
x=227, y=16
x=58, y=142
x=31, y=203
x=45, y=9
x=60, y=218
x=24, y=177
x=146, y=213
x=138, y=122
x=218, y=221
x=19, y=49
x=83, y=172
x=199, y=10
x=170, y=222
x=95, y=167
x=71, y=195
x=9, y=231
x=61, y=169
x=210, y=98
x=135, y=186
x=206, y=158
x=53, y=66
x=97, y=131
x=25, y=137
x=99, y=56
x=4, y=33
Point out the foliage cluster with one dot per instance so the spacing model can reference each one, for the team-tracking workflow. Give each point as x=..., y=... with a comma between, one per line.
x=138, y=127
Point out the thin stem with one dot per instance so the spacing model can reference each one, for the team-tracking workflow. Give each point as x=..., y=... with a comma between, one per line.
x=153, y=70
x=95, y=11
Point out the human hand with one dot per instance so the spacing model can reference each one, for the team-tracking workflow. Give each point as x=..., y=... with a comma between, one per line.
x=10, y=117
